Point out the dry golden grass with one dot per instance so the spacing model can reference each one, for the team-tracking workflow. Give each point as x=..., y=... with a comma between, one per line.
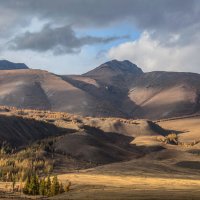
x=99, y=186
x=187, y=128
x=136, y=182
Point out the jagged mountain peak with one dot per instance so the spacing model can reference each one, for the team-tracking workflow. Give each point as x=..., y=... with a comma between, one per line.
x=124, y=65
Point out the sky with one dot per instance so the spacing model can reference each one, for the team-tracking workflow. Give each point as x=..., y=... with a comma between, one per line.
x=75, y=36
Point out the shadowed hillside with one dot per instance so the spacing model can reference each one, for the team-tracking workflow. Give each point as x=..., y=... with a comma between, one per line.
x=101, y=154
x=95, y=140
x=19, y=131
x=114, y=89
x=165, y=94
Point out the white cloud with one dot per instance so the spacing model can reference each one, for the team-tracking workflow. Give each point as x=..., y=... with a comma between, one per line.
x=150, y=54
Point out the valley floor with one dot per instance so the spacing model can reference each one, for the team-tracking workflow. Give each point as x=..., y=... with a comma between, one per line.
x=142, y=179
x=168, y=173
x=93, y=186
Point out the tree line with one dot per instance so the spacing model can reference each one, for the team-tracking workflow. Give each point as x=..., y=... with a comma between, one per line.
x=44, y=186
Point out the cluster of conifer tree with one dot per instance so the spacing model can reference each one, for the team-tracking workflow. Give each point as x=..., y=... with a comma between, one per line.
x=43, y=186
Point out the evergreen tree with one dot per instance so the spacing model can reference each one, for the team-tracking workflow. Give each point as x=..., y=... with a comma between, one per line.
x=55, y=186
x=13, y=182
x=48, y=186
x=34, y=185
x=26, y=186
x=42, y=188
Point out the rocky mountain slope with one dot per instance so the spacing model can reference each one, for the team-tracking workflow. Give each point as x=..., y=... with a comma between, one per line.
x=115, y=88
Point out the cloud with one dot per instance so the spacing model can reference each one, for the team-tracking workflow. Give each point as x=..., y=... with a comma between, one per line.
x=60, y=40
x=150, y=54
x=159, y=17
x=162, y=16
x=172, y=27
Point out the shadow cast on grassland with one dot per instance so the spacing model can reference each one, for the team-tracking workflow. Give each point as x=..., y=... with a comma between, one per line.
x=100, y=148
x=195, y=165
x=19, y=131
x=175, y=131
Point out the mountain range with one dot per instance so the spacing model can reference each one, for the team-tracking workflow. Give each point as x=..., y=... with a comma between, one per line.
x=101, y=148
x=113, y=89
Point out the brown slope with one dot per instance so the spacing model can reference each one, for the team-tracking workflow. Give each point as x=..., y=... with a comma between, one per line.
x=95, y=146
x=109, y=83
x=18, y=131
x=116, y=73
x=136, y=94
x=165, y=94
x=97, y=140
x=20, y=128
x=115, y=88
x=42, y=90
x=114, y=100
x=187, y=128
x=132, y=128
x=22, y=88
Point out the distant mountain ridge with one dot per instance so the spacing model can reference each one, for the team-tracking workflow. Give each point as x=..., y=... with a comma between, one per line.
x=7, y=65
x=114, y=89
x=115, y=66
x=115, y=71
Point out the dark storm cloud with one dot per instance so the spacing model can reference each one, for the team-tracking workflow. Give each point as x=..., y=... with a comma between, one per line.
x=147, y=14
x=161, y=17
x=60, y=40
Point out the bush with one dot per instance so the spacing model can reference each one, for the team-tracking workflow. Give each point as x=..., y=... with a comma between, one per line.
x=171, y=138
x=5, y=148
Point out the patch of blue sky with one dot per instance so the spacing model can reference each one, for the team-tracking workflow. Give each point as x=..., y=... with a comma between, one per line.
x=99, y=51
x=124, y=30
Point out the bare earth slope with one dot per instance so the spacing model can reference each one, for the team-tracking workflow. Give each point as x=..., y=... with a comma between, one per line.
x=152, y=95
x=114, y=89
x=18, y=131
x=95, y=140
x=165, y=94
x=42, y=90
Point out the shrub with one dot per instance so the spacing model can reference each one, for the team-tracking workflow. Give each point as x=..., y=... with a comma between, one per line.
x=171, y=138
x=5, y=148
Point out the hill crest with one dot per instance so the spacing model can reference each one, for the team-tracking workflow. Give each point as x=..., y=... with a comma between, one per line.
x=115, y=66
